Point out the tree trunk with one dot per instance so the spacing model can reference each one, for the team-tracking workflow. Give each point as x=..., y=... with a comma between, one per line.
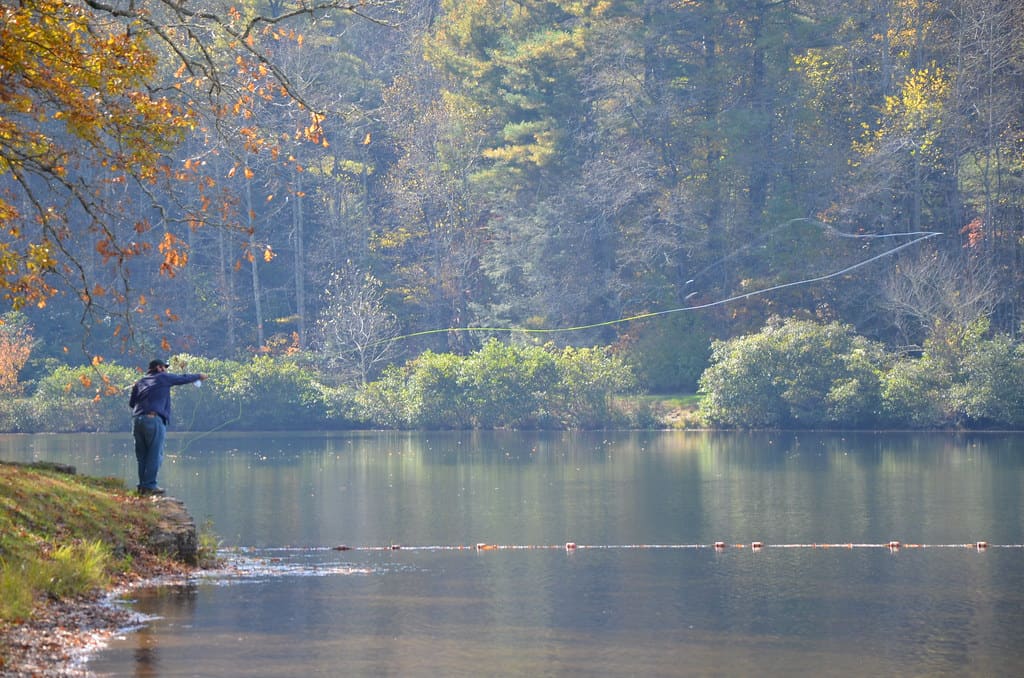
x=254, y=263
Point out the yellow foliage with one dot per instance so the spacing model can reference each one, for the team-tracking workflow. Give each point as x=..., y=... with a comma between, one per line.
x=80, y=97
x=913, y=115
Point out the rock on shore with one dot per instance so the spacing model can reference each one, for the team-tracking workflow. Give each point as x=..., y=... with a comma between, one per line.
x=175, y=534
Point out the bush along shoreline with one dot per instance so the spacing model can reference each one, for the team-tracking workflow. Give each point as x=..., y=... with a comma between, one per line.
x=66, y=541
x=801, y=374
x=792, y=374
x=499, y=386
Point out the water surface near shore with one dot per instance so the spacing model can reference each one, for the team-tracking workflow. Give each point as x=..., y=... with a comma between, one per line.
x=438, y=605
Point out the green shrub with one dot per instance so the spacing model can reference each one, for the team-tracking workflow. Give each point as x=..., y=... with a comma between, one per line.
x=208, y=546
x=993, y=388
x=385, y=402
x=973, y=381
x=588, y=378
x=265, y=394
x=501, y=385
x=738, y=387
x=277, y=394
x=340, y=407
x=16, y=415
x=853, y=397
x=213, y=406
x=507, y=385
x=434, y=396
x=794, y=373
x=915, y=394
x=82, y=399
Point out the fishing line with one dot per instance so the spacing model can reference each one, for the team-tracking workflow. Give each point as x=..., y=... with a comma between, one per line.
x=199, y=436
x=918, y=237
x=214, y=429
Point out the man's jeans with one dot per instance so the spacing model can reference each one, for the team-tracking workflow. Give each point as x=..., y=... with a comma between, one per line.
x=149, y=435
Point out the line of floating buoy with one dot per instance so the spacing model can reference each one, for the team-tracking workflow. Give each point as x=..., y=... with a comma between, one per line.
x=892, y=545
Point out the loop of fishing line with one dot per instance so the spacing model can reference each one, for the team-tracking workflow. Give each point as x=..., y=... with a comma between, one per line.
x=918, y=237
x=202, y=434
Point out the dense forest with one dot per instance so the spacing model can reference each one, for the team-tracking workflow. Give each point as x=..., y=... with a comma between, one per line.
x=645, y=175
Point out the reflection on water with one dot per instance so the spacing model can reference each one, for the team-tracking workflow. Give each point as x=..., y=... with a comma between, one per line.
x=292, y=604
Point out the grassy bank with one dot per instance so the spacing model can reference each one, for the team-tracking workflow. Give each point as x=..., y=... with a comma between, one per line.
x=64, y=536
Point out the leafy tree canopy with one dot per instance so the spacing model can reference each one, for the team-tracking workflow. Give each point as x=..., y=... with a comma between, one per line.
x=93, y=96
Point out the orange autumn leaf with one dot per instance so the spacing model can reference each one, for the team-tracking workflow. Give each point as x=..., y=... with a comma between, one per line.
x=175, y=253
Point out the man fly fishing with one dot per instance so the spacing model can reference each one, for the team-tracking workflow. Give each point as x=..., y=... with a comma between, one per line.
x=151, y=414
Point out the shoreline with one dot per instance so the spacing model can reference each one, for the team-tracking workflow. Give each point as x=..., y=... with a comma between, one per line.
x=52, y=630
x=63, y=635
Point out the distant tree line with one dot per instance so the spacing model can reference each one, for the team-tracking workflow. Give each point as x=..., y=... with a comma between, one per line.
x=541, y=164
x=792, y=374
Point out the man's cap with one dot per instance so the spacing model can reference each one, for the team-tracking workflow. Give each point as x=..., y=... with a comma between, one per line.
x=153, y=364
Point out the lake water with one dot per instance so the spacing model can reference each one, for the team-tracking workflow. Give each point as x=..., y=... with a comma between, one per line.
x=644, y=593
